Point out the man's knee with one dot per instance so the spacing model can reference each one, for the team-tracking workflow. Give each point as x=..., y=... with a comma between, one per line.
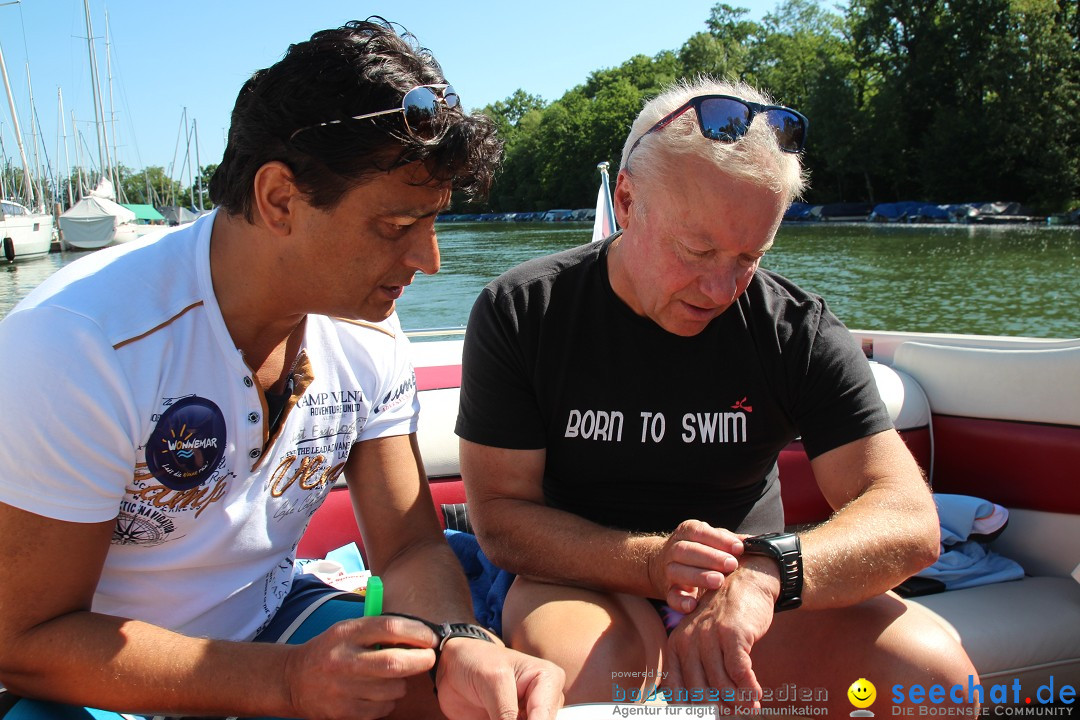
x=927, y=657
x=579, y=630
x=598, y=639
x=938, y=658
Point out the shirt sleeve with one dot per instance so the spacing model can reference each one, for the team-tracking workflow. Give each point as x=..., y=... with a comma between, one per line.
x=498, y=405
x=838, y=401
x=395, y=407
x=68, y=418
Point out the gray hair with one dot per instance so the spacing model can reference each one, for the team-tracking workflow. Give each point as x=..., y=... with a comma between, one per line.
x=756, y=157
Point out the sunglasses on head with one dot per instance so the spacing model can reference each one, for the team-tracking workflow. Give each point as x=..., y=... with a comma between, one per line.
x=726, y=118
x=420, y=106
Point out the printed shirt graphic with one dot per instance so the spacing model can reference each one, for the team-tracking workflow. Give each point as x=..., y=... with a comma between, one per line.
x=642, y=428
x=147, y=414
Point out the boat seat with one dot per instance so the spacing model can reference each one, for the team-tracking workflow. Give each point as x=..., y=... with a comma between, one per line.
x=1006, y=427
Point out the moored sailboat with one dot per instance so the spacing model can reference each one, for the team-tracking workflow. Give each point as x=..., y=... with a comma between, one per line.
x=24, y=234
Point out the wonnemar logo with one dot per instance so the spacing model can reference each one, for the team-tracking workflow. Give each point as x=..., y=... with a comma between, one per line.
x=187, y=443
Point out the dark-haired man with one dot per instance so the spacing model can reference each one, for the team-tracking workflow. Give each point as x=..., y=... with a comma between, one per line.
x=160, y=465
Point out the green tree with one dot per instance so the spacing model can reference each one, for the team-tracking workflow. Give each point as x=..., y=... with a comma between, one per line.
x=938, y=100
x=152, y=186
x=803, y=59
x=509, y=112
x=205, y=173
x=552, y=150
x=724, y=50
x=973, y=97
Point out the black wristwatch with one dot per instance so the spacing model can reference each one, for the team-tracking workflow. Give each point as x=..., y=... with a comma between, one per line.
x=786, y=550
x=448, y=631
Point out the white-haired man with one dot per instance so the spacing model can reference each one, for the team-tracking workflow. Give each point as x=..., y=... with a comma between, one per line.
x=589, y=475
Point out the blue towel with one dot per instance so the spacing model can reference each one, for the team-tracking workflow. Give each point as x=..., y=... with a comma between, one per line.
x=967, y=524
x=487, y=583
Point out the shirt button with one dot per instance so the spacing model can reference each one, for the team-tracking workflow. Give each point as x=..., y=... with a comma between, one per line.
x=253, y=417
x=254, y=453
x=248, y=381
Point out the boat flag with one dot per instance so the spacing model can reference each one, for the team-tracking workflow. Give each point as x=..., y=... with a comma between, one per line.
x=604, y=222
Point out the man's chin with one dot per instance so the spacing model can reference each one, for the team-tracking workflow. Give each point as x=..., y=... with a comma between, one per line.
x=369, y=314
x=684, y=327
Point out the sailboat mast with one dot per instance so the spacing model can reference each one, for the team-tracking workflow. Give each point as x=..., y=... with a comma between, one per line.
x=7, y=165
x=67, y=157
x=34, y=124
x=99, y=113
x=78, y=154
x=187, y=160
x=112, y=111
x=198, y=166
x=27, y=181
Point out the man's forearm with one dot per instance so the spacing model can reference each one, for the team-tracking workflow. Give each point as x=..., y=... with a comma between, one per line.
x=538, y=541
x=117, y=664
x=426, y=580
x=870, y=546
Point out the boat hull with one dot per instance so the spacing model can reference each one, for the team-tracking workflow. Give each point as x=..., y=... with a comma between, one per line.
x=25, y=236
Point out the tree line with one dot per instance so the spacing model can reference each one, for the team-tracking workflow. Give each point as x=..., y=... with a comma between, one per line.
x=932, y=100
x=149, y=186
x=941, y=101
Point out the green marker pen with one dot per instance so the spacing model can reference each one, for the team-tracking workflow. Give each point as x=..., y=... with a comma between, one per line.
x=373, y=597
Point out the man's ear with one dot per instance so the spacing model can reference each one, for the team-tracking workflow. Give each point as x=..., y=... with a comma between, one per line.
x=623, y=199
x=275, y=188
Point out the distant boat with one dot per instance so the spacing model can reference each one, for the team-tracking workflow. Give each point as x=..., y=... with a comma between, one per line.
x=25, y=234
x=97, y=221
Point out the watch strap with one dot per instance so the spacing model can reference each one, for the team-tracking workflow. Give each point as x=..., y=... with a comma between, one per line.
x=786, y=550
x=445, y=632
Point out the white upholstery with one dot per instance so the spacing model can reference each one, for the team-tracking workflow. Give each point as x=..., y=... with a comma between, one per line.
x=1044, y=543
x=438, y=409
x=432, y=353
x=435, y=433
x=883, y=344
x=1024, y=385
x=1027, y=629
x=905, y=400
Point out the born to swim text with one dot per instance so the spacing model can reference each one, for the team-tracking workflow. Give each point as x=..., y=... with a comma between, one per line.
x=697, y=427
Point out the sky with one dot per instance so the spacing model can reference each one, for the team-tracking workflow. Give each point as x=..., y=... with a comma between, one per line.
x=168, y=57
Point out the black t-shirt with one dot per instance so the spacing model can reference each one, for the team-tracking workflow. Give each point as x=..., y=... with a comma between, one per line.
x=644, y=429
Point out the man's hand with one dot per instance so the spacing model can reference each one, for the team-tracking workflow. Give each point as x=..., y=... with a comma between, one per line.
x=711, y=647
x=693, y=560
x=486, y=681
x=341, y=674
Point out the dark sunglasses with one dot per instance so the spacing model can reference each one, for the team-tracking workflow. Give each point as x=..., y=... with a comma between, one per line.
x=420, y=106
x=726, y=118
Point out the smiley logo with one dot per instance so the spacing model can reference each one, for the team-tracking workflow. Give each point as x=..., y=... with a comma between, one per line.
x=862, y=693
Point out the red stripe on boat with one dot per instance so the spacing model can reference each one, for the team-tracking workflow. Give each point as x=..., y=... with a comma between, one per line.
x=438, y=377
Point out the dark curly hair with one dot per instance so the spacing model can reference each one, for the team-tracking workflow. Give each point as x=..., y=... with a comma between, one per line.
x=359, y=68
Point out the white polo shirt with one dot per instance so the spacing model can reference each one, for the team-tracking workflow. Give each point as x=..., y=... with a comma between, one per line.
x=126, y=398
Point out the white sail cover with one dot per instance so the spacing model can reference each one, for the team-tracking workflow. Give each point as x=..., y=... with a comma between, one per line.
x=104, y=189
x=91, y=222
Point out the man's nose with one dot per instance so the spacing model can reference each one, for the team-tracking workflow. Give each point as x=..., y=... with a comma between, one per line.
x=424, y=253
x=720, y=285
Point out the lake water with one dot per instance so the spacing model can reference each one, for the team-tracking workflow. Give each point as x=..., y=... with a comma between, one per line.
x=987, y=280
